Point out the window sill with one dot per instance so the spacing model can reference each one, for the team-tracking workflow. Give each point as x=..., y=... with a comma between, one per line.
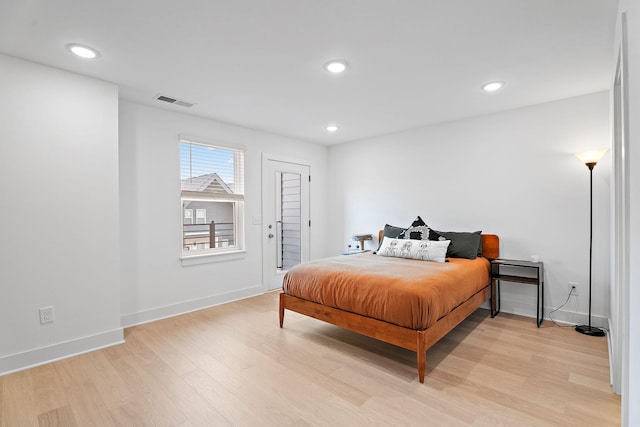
x=198, y=259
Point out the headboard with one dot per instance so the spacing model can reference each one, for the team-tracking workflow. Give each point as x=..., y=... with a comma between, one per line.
x=490, y=245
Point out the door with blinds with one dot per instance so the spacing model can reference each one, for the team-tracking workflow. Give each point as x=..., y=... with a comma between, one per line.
x=285, y=212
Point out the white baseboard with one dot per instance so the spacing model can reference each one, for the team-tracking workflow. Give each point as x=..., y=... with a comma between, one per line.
x=51, y=353
x=40, y=356
x=166, y=311
x=527, y=309
x=611, y=360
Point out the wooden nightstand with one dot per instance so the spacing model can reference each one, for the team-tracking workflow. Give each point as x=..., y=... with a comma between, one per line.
x=536, y=268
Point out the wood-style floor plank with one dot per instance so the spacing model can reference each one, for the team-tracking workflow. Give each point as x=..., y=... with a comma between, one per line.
x=1, y=399
x=232, y=365
x=19, y=400
x=60, y=417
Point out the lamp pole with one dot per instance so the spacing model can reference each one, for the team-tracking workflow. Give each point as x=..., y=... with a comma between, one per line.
x=588, y=329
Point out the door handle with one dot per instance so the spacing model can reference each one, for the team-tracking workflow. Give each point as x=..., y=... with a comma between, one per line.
x=271, y=235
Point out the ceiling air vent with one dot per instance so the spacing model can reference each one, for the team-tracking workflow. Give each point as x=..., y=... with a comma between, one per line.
x=174, y=101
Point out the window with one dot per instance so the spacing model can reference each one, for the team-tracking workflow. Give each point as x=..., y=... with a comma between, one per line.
x=188, y=216
x=212, y=186
x=201, y=216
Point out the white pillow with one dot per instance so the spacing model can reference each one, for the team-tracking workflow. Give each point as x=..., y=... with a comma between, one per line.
x=426, y=250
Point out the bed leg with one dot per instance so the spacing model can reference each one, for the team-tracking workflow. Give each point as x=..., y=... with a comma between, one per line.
x=421, y=355
x=281, y=310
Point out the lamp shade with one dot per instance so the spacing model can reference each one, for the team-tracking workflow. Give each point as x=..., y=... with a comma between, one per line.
x=592, y=156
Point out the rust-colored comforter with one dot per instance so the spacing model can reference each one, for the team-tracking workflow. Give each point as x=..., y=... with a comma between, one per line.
x=409, y=293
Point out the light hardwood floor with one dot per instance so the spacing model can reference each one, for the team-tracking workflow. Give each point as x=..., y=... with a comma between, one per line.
x=233, y=365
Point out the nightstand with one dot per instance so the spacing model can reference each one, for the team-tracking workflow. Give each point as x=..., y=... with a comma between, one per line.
x=361, y=238
x=355, y=252
x=534, y=276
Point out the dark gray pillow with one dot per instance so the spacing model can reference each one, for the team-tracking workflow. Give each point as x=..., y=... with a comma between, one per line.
x=390, y=231
x=463, y=244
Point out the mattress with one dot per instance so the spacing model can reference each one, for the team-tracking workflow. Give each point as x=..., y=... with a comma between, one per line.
x=409, y=293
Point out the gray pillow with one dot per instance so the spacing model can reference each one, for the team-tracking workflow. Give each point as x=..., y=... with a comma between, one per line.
x=463, y=244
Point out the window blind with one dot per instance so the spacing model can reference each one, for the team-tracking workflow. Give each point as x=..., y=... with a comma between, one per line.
x=207, y=170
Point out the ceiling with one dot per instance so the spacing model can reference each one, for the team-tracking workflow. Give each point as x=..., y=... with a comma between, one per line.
x=259, y=63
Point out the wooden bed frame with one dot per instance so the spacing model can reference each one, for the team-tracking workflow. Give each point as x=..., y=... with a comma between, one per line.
x=415, y=340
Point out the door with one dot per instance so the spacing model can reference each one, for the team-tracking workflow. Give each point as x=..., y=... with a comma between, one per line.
x=285, y=213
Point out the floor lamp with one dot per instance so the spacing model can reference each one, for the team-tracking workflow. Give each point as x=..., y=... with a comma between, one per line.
x=590, y=158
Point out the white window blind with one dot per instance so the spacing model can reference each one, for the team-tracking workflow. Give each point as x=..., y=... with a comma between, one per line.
x=209, y=170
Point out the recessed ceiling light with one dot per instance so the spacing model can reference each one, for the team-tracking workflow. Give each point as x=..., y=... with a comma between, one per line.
x=336, y=66
x=492, y=86
x=83, y=51
x=332, y=128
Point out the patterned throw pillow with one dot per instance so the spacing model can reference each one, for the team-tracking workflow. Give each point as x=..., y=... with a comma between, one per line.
x=418, y=230
x=425, y=250
x=391, y=231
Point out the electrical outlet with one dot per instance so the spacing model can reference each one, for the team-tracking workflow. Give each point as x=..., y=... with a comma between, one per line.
x=46, y=315
x=573, y=288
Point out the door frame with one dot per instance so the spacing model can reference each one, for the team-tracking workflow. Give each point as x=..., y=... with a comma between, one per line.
x=305, y=250
x=619, y=275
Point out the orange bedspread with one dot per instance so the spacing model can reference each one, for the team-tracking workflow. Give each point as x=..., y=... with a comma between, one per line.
x=409, y=293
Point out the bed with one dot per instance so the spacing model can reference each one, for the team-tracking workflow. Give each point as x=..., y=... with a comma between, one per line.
x=408, y=303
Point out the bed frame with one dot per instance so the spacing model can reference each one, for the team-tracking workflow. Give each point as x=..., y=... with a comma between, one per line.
x=415, y=340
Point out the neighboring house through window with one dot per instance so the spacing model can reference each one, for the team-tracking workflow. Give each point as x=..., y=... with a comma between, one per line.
x=212, y=186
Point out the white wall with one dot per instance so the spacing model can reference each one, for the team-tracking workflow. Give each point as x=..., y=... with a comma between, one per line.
x=631, y=330
x=154, y=282
x=513, y=173
x=58, y=213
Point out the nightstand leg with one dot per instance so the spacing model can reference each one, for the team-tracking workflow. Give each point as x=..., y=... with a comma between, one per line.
x=540, y=300
x=495, y=297
x=540, y=312
x=538, y=305
x=492, y=299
